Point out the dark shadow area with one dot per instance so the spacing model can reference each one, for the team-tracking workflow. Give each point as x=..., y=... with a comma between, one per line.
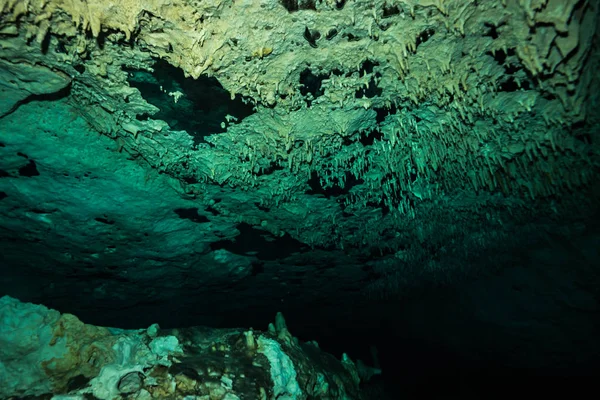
x=195, y=106
x=191, y=214
x=315, y=187
x=29, y=170
x=383, y=112
x=58, y=95
x=422, y=339
x=262, y=244
x=269, y=169
x=492, y=30
x=295, y=5
x=368, y=138
x=311, y=83
x=424, y=36
x=511, y=83
x=371, y=89
x=389, y=10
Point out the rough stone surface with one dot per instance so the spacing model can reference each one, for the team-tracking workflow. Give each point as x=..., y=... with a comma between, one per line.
x=43, y=350
x=369, y=149
x=210, y=364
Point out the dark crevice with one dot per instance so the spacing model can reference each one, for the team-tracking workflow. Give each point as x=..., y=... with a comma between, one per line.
x=511, y=85
x=385, y=210
x=311, y=83
x=202, y=108
x=296, y=5
x=79, y=68
x=61, y=47
x=389, y=198
x=212, y=210
x=383, y=112
x=77, y=382
x=311, y=37
x=548, y=95
x=424, y=36
x=191, y=214
x=500, y=55
x=262, y=244
x=58, y=95
x=29, y=170
x=492, y=30
x=100, y=275
x=331, y=34
x=384, y=26
x=41, y=211
x=585, y=137
x=371, y=90
x=104, y=220
x=540, y=24
x=351, y=37
x=390, y=10
x=315, y=184
x=336, y=190
x=257, y=268
x=190, y=180
x=271, y=168
x=261, y=207
x=367, y=67
x=368, y=138
x=45, y=44
x=3, y=195
x=143, y=117
x=510, y=69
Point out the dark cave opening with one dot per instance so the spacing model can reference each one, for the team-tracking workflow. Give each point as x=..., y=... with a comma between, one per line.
x=198, y=107
x=29, y=170
x=262, y=244
x=334, y=190
x=424, y=36
x=311, y=83
x=493, y=29
x=311, y=36
x=191, y=214
x=384, y=112
x=371, y=89
x=368, y=138
x=295, y=5
x=510, y=84
x=390, y=10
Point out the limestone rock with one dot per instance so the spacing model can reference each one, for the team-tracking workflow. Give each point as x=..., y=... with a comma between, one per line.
x=212, y=364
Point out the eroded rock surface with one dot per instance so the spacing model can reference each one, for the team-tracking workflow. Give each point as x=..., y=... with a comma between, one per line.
x=65, y=357
x=189, y=152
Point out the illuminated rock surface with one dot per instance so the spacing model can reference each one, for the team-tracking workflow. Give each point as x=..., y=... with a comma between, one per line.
x=63, y=355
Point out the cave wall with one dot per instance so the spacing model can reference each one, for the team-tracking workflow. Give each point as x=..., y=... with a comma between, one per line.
x=368, y=149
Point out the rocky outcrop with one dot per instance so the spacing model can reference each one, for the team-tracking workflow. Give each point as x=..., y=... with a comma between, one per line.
x=44, y=352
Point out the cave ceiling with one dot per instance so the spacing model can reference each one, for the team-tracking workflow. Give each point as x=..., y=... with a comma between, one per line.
x=417, y=133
